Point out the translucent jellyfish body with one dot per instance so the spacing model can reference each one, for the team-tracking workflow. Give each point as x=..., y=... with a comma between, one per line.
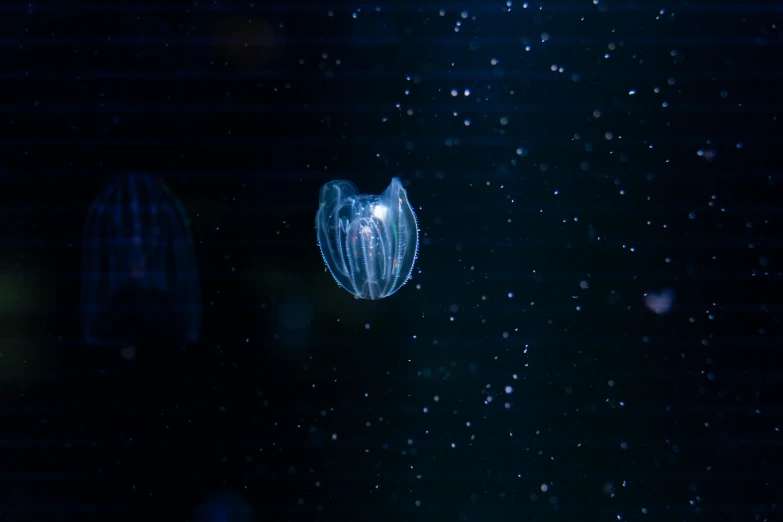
x=139, y=274
x=369, y=243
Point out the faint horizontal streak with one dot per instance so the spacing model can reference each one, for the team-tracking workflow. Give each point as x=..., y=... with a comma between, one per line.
x=384, y=511
x=648, y=476
x=160, y=310
x=364, y=441
x=498, y=304
x=672, y=177
x=503, y=209
x=639, y=243
x=328, y=142
x=460, y=74
x=414, y=8
x=520, y=407
x=574, y=375
x=386, y=108
x=349, y=41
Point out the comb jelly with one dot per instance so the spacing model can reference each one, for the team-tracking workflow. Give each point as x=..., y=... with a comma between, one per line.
x=139, y=274
x=369, y=242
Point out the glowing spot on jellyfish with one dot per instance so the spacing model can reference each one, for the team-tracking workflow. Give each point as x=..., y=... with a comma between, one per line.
x=379, y=212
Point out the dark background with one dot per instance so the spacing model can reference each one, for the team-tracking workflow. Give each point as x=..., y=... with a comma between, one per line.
x=307, y=404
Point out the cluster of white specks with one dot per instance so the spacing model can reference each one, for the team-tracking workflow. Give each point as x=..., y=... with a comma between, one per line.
x=601, y=155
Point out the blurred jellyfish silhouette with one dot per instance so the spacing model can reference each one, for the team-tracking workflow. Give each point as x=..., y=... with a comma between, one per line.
x=225, y=506
x=659, y=302
x=139, y=275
